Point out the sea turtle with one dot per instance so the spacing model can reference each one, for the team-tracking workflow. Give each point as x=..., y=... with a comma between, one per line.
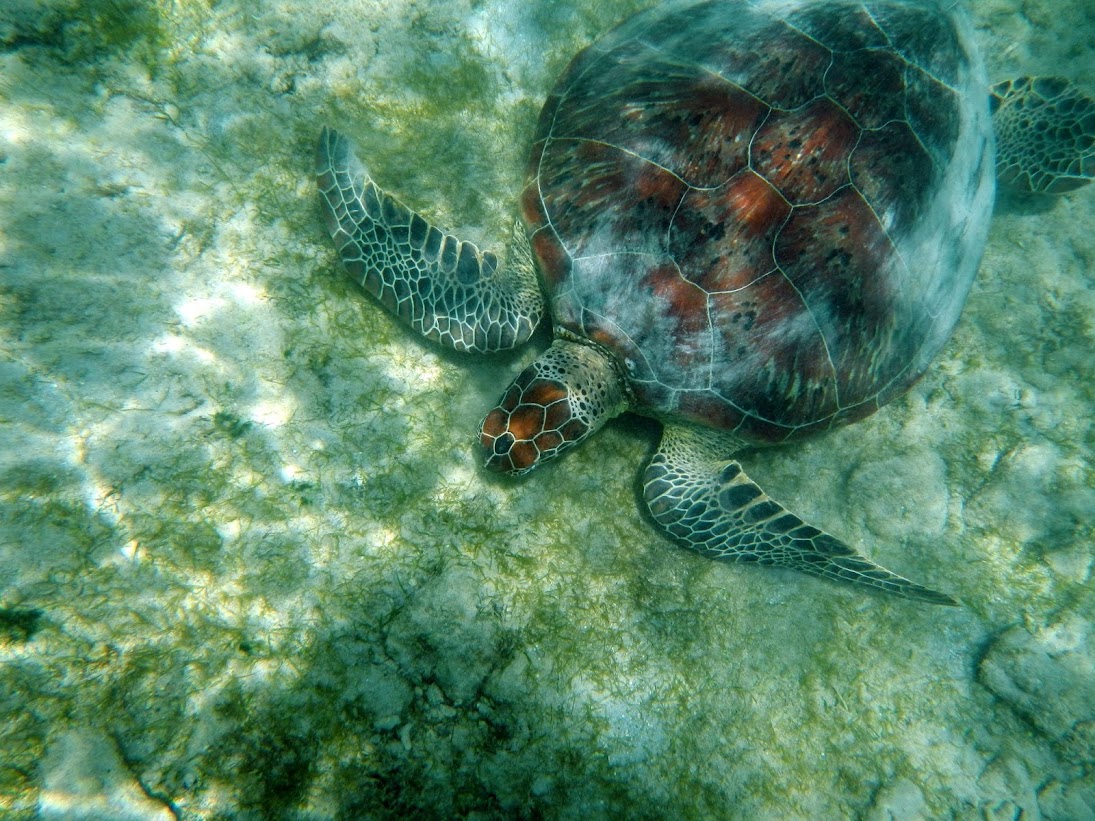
x=754, y=220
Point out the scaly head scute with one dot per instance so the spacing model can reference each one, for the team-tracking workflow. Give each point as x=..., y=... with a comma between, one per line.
x=560, y=399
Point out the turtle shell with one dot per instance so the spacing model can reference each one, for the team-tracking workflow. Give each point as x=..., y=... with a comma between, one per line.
x=770, y=212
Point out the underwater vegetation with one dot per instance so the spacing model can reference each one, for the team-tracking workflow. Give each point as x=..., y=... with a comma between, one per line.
x=249, y=566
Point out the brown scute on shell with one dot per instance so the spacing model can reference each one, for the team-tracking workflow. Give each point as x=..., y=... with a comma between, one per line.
x=867, y=323
x=803, y=154
x=722, y=238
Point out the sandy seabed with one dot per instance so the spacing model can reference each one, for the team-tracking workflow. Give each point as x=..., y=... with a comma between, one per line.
x=250, y=569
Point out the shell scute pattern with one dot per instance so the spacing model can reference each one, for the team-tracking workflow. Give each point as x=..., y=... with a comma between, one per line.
x=804, y=153
x=927, y=39
x=849, y=32
x=732, y=215
x=870, y=86
x=770, y=60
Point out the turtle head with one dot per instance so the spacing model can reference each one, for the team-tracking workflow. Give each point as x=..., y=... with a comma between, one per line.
x=557, y=401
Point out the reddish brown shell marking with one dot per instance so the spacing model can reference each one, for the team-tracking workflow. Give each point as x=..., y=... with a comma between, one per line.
x=730, y=200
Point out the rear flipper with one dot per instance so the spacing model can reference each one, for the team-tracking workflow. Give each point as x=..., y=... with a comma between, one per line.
x=447, y=290
x=1045, y=134
x=709, y=505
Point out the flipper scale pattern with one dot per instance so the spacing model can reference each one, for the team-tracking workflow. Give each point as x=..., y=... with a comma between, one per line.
x=709, y=505
x=444, y=288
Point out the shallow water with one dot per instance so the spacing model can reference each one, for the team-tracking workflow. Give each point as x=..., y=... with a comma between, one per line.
x=249, y=567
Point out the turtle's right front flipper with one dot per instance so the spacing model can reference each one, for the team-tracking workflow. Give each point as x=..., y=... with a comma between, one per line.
x=708, y=504
x=446, y=289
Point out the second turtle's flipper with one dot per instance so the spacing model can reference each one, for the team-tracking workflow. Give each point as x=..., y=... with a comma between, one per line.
x=709, y=505
x=447, y=290
x=1045, y=134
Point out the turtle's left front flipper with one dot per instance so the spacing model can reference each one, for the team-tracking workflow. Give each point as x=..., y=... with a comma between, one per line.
x=444, y=288
x=1045, y=134
x=707, y=503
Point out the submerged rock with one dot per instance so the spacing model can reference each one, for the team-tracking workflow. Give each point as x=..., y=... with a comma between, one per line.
x=1048, y=678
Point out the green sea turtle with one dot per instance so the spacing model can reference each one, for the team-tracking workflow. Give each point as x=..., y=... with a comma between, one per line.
x=753, y=220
